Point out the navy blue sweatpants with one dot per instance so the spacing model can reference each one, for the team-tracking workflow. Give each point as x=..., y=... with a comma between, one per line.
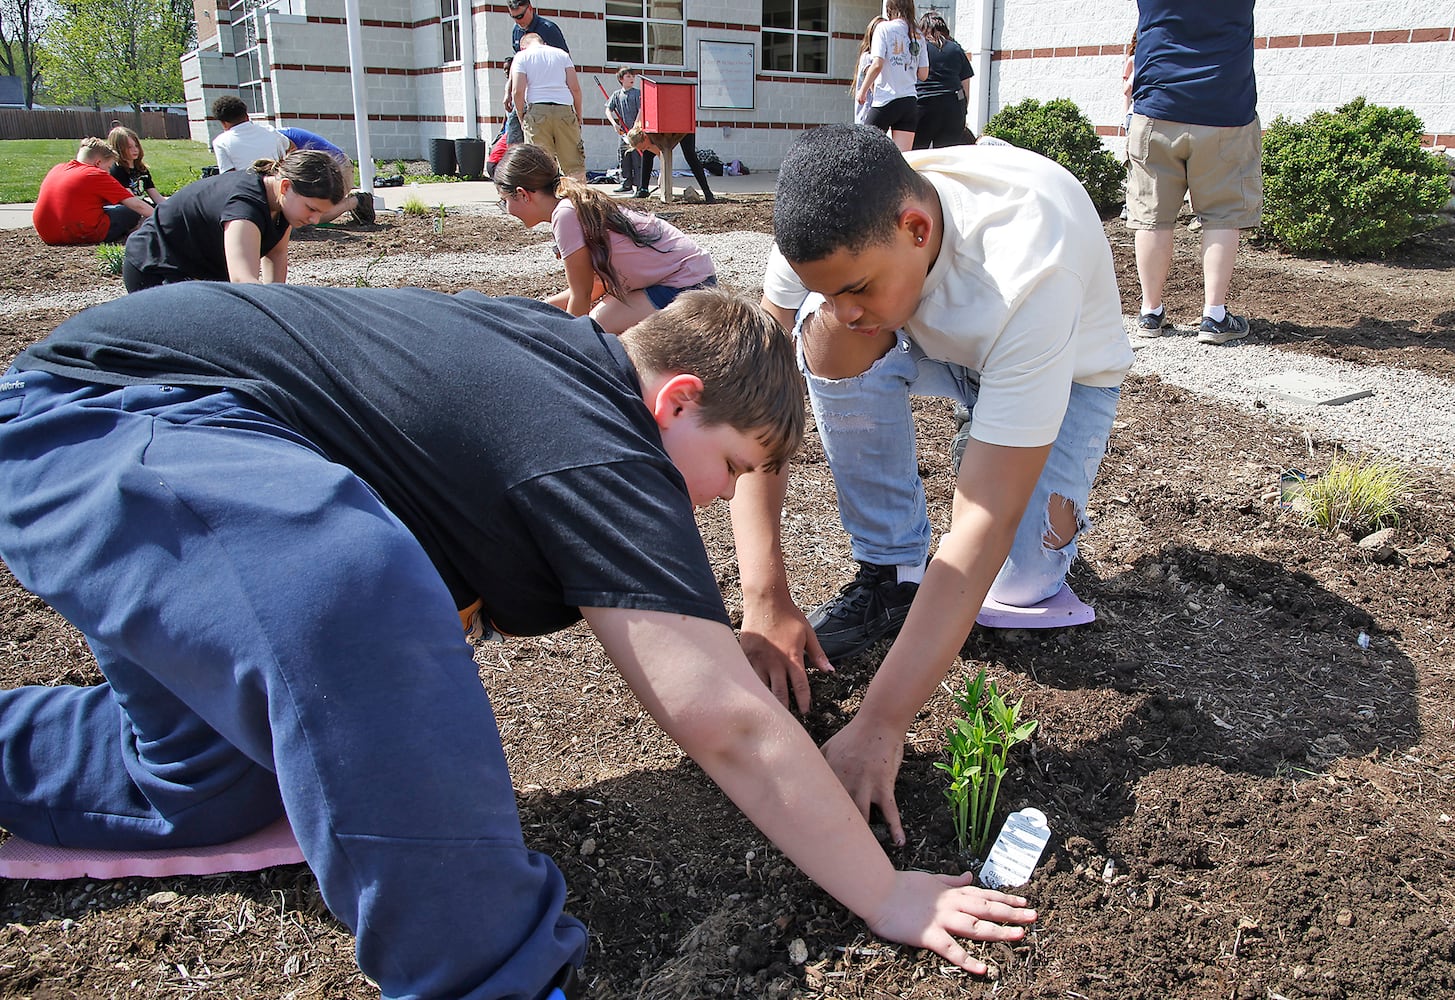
x=274, y=641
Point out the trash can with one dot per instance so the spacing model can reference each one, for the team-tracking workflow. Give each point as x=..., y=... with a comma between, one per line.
x=470, y=158
x=442, y=157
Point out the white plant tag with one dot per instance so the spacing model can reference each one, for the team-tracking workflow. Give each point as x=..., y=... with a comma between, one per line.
x=1016, y=851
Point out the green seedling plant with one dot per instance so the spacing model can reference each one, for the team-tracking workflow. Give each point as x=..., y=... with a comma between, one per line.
x=111, y=257
x=978, y=746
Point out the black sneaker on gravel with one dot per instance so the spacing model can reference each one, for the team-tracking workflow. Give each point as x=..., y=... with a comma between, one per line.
x=872, y=606
x=364, y=208
x=1150, y=325
x=1213, y=332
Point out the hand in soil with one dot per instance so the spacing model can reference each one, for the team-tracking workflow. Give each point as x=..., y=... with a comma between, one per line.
x=932, y=911
x=780, y=645
x=867, y=761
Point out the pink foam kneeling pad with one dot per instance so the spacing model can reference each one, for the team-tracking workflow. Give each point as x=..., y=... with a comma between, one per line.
x=1057, y=611
x=272, y=845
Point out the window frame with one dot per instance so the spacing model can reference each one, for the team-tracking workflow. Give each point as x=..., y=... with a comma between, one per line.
x=645, y=22
x=796, y=32
x=450, y=32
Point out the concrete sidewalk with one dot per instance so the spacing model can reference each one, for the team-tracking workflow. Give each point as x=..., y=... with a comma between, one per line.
x=481, y=196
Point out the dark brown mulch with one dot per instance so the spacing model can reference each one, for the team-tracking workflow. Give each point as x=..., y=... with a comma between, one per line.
x=1247, y=803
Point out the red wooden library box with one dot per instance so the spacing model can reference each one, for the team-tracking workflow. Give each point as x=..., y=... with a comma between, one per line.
x=669, y=107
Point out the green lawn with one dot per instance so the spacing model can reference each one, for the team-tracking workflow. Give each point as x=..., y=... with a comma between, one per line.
x=24, y=163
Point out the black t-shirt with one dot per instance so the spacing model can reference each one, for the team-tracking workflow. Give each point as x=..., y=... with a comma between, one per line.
x=138, y=182
x=183, y=238
x=510, y=438
x=949, y=69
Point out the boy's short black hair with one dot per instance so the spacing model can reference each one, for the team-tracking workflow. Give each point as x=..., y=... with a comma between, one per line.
x=841, y=188
x=229, y=110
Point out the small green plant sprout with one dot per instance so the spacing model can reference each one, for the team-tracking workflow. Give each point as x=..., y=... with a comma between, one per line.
x=362, y=281
x=439, y=219
x=111, y=257
x=978, y=746
x=1358, y=496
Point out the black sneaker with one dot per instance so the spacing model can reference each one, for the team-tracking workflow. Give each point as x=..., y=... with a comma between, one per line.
x=364, y=208
x=643, y=193
x=623, y=189
x=1213, y=332
x=1150, y=324
x=872, y=606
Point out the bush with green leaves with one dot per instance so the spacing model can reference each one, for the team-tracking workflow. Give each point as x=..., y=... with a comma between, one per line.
x=1060, y=131
x=1353, y=182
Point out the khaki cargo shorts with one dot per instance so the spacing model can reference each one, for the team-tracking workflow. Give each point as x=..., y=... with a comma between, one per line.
x=555, y=128
x=1220, y=168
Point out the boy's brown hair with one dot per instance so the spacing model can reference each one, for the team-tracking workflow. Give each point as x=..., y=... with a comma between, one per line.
x=623, y=71
x=749, y=372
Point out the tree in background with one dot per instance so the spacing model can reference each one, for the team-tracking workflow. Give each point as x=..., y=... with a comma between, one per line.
x=117, y=51
x=22, y=28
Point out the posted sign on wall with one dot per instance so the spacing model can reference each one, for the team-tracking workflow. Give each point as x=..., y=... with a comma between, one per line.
x=725, y=74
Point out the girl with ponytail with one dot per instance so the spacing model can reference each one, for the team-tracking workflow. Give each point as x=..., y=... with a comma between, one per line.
x=233, y=226
x=621, y=265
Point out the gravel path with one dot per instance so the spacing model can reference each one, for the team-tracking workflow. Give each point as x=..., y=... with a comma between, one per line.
x=1410, y=417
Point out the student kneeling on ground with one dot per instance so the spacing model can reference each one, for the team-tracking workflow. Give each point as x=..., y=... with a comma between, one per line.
x=621, y=266
x=978, y=274
x=271, y=509
x=80, y=202
x=233, y=226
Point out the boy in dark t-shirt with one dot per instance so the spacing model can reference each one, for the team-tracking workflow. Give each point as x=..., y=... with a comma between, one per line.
x=269, y=510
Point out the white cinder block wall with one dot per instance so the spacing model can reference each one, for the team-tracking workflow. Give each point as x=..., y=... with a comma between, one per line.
x=1311, y=54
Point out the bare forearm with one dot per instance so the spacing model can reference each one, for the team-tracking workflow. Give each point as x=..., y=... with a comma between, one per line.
x=757, y=515
x=941, y=617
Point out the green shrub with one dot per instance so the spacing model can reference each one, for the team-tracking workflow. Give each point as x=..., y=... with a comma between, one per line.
x=1353, y=181
x=1058, y=130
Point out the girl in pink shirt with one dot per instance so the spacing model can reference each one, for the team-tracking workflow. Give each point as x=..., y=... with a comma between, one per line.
x=621, y=266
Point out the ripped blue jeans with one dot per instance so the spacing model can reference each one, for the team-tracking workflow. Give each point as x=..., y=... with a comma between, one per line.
x=868, y=435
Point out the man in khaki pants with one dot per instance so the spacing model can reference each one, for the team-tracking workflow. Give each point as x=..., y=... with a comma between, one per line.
x=1194, y=131
x=543, y=82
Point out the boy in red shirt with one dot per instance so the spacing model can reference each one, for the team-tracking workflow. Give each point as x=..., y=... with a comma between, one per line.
x=80, y=202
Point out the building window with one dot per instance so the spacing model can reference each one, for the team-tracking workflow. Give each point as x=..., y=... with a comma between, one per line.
x=450, y=29
x=249, y=37
x=644, y=32
x=796, y=36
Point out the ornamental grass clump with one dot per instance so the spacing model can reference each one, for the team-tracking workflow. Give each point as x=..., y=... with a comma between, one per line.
x=1359, y=496
x=415, y=205
x=978, y=746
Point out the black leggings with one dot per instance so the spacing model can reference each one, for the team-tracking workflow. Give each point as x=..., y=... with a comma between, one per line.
x=688, y=146
x=941, y=123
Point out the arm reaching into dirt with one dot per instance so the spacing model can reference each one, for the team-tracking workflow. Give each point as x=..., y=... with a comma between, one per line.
x=693, y=679
x=776, y=636
x=994, y=486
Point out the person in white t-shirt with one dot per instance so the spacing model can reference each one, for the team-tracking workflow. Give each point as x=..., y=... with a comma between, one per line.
x=898, y=60
x=243, y=141
x=546, y=93
x=980, y=274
